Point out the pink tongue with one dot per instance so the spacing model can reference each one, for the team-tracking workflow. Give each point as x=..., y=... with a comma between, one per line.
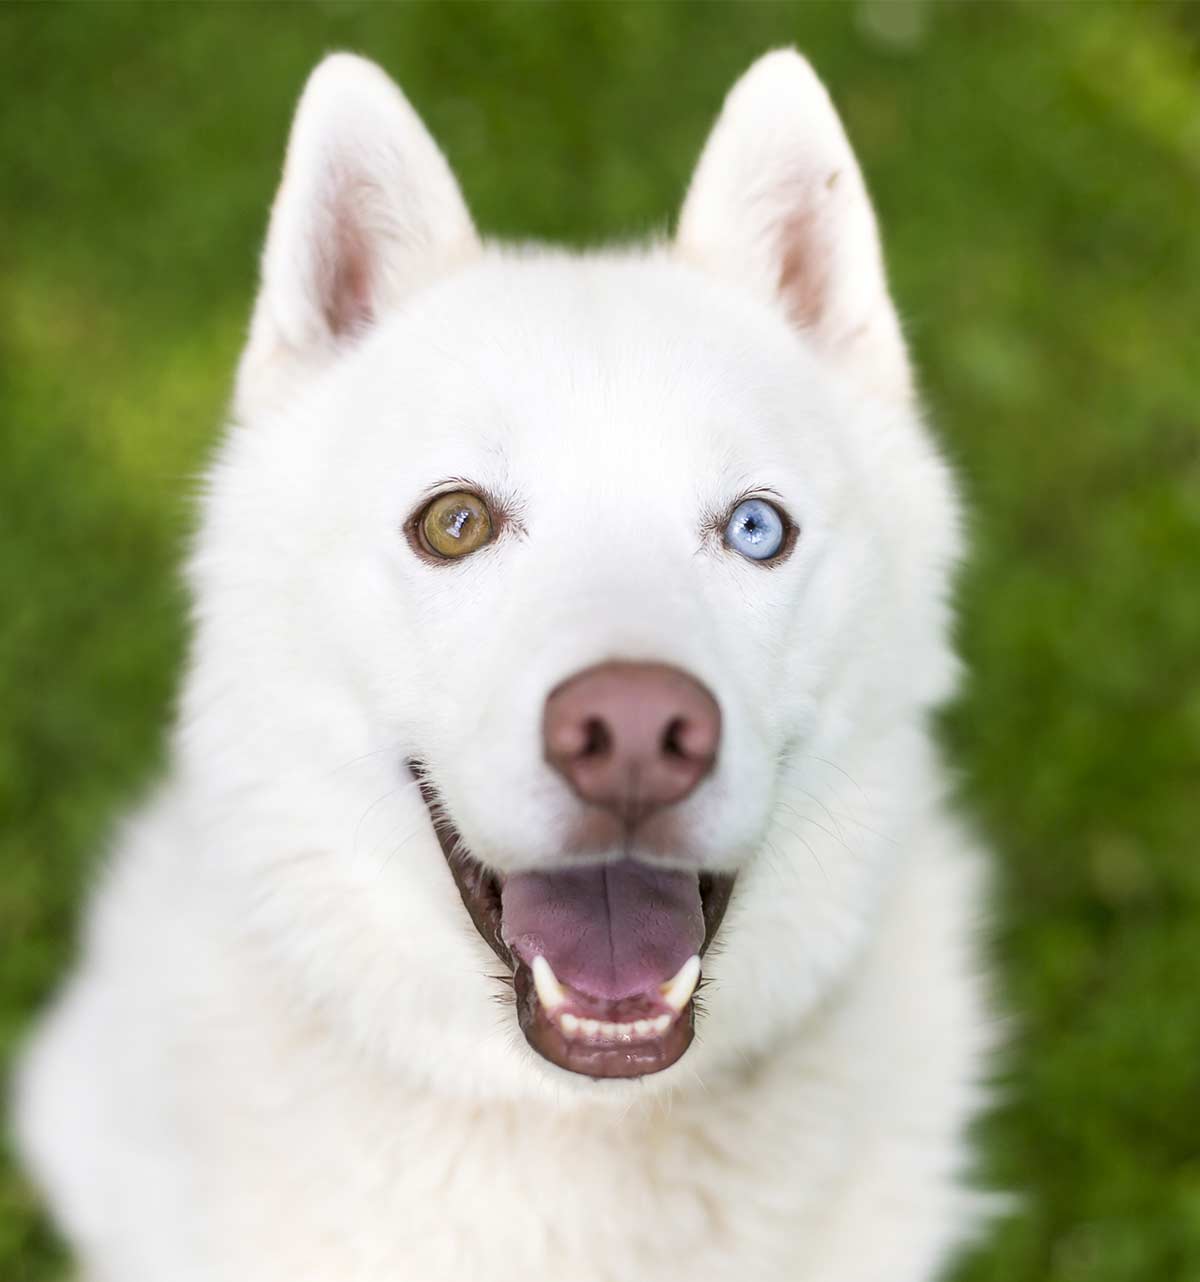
x=611, y=931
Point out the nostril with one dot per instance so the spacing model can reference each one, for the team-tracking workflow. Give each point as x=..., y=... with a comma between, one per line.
x=673, y=740
x=688, y=741
x=597, y=738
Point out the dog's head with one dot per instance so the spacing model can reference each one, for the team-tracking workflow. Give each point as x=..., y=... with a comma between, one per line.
x=551, y=605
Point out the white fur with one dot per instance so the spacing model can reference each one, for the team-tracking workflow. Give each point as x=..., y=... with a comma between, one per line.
x=285, y=1053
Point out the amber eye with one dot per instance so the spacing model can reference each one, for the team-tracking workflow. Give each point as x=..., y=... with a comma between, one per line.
x=455, y=524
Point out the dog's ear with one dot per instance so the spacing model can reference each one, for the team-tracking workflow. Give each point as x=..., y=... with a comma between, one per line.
x=367, y=212
x=778, y=202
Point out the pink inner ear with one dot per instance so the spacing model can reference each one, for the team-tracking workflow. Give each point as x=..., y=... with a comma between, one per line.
x=346, y=271
x=804, y=269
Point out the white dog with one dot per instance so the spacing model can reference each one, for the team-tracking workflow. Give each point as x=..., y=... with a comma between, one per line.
x=566, y=632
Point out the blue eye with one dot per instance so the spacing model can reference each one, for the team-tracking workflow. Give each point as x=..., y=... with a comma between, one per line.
x=756, y=530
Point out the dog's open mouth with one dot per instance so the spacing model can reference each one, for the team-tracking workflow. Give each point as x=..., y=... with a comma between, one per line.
x=605, y=958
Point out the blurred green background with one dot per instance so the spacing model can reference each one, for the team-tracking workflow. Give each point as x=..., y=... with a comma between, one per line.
x=1037, y=170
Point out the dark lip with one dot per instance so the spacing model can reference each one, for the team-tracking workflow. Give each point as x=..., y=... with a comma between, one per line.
x=479, y=889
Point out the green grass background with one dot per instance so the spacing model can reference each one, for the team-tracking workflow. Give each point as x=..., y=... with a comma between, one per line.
x=1037, y=170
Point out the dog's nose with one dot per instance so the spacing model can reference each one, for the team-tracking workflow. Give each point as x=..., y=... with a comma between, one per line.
x=632, y=737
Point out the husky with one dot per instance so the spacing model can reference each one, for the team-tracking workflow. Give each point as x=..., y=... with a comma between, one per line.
x=554, y=876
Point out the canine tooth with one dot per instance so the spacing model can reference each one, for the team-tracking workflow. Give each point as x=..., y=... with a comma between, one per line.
x=590, y=1026
x=549, y=990
x=643, y=1027
x=678, y=992
x=570, y=1023
x=662, y=1023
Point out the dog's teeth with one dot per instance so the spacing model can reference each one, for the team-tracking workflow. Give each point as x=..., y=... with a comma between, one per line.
x=678, y=992
x=549, y=990
x=602, y=1029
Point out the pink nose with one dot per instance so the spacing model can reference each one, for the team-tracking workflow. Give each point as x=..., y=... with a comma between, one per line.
x=632, y=737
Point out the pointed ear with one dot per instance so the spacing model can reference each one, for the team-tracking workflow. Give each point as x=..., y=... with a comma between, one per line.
x=778, y=203
x=367, y=212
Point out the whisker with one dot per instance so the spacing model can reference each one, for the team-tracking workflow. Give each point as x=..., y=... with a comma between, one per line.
x=833, y=819
x=391, y=792
x=396, y=849
x=806, y=845
x=834, y=766
x=366, y=756
x=820, y=828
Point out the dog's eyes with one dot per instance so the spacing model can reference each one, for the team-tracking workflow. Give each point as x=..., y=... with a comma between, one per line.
x=757, y=530
x=454, y=525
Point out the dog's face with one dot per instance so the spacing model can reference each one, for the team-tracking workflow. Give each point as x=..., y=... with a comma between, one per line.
x=591, y=589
